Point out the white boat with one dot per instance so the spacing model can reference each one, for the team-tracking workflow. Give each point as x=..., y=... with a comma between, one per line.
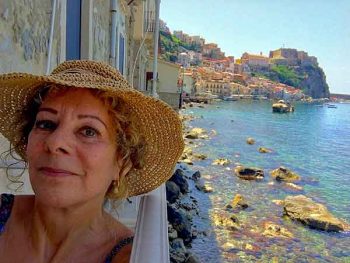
x=231, y=98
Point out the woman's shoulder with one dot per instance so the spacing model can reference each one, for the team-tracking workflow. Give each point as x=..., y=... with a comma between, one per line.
x=22, y=203
x=122, y=245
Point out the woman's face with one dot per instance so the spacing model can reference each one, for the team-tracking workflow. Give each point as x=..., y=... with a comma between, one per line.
x=71, y=150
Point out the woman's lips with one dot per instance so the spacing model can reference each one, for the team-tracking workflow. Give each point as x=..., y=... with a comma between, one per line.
x=53, y=172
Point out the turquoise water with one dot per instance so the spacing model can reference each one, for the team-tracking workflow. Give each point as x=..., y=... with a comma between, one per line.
x=312, y=141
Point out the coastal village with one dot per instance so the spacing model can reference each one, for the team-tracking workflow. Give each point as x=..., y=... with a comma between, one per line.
x=206, y=71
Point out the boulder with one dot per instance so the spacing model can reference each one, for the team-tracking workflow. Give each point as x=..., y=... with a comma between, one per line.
x=196, y=133
x=250, y=141
x=315, y=215
x=192, y=259
x=238, y=202
x=200, y=156
x=196, y=175
x=172, y=233
x=181, y=223
x=177, y=251
x=225, y=221
x=284, y=174
x=172, y=191
x=264, y=150
x=187, y=153
x=221, y=161
x=179, y=179
x=274, y=230
x=202, y=186
x=187, y=161
x=249, y=173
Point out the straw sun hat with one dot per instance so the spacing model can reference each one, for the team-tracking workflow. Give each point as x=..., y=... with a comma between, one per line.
x=158, y=123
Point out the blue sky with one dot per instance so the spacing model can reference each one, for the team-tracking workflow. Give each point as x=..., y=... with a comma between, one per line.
x=319, y=27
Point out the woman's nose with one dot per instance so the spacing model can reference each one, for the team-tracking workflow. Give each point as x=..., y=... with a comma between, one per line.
x=58, y=141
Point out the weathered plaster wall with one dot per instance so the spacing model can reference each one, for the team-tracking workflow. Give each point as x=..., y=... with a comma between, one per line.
x=24, y=35
x=101, y=30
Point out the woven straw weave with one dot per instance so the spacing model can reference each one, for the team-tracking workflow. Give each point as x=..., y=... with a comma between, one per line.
x=158, y=123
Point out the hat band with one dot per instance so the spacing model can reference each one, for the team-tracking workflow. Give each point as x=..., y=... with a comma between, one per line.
x=75, y=71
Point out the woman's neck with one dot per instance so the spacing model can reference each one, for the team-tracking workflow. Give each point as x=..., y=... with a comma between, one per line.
x=55, y=231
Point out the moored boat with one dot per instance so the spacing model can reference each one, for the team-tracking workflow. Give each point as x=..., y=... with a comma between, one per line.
x=282, y=107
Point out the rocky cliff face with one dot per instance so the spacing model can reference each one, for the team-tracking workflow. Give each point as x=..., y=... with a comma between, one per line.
x=310, y=78
x=314, y=83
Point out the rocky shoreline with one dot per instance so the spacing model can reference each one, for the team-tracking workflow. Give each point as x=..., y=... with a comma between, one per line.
x=183, y=206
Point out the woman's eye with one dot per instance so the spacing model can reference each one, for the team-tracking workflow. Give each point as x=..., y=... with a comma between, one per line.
x=45, y=125
x=89, y=132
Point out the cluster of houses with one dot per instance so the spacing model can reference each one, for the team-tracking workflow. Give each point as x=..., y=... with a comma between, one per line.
x=206, y=69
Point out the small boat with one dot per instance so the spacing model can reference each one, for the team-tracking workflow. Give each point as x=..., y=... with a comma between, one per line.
x=319, y=105
x=231, y=98
x=282, y=107
x=332, y=106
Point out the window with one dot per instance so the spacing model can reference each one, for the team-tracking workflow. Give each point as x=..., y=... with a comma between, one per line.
x=73, y=29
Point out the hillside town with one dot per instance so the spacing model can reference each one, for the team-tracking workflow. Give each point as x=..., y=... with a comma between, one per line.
x=206, y=71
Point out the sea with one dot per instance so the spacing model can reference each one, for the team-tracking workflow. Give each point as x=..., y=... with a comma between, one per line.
x=313, y=141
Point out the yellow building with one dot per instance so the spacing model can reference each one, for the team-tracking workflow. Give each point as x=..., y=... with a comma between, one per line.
x=255, y=60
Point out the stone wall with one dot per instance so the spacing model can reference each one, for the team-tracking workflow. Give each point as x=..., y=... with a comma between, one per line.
x=101, y=30
x=24, y=35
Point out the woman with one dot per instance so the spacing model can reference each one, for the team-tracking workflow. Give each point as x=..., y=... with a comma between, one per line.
x=85, y=135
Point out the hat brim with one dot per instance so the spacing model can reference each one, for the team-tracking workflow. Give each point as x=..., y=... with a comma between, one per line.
x=158, y=122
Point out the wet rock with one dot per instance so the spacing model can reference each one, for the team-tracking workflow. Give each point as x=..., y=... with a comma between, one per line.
x=179, y=219
x=249, y=173
x=273, y=230
x=172, y=233
x=187, y=153
x=264, y=150
x=197, y=133
x=179, y=179
x=188, y=161
x=221, y=161
x=172, y=191
x=225, y=221
x=177, y=251
x=192, y=259
x=238, y=202
x=202, y=186
x=294, y=186
x=284, y=174
x=200, y=156
x=315, y=215
x=196, y=175
x=250, y=141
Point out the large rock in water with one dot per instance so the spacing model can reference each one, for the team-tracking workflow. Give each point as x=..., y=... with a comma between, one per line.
x=179, y=179
x=249, y=173
x=305, y=210
x=197, y=133
x=181, y=223
x=284, y=174
x=172, y=191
